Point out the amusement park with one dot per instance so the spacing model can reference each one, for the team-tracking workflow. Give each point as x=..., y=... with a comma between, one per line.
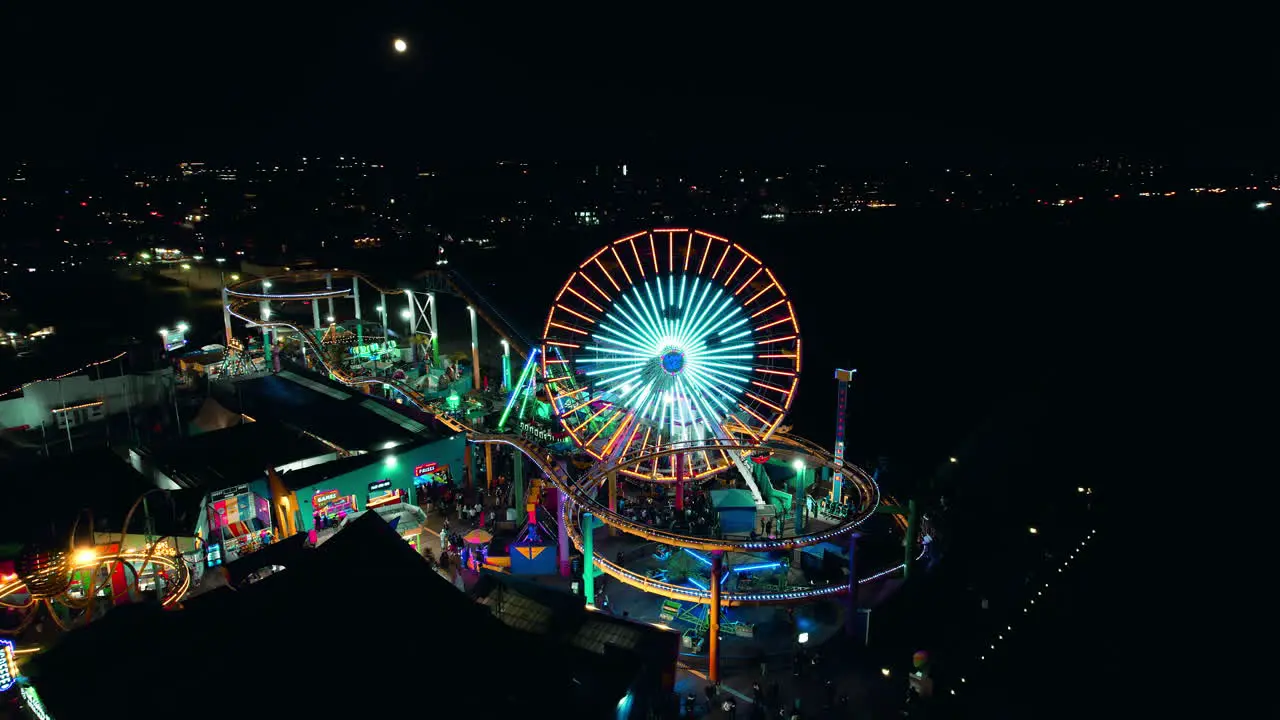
x=635, y=454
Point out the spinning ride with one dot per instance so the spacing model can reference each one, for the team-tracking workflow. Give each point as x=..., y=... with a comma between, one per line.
x=46, y=577
x=670, y=336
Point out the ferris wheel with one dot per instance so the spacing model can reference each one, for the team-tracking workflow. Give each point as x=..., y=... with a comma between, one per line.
x=666, y=336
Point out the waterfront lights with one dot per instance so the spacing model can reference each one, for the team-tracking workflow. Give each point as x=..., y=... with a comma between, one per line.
x=953, y=459
x=1079, y=489
x=884, y=672
x=1033, y=531
x=400, y=45
x=803, y=638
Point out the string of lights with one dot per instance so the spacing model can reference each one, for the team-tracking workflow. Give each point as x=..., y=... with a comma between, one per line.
x=64, y=375
x=1002, y=635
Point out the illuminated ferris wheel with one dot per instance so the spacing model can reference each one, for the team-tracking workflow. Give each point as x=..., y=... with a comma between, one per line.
x=667, y=336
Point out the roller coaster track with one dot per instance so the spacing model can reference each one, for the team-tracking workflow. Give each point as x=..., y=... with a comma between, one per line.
x=580, y=496
x=413, y=396
x=458, y=285
x=447, y=281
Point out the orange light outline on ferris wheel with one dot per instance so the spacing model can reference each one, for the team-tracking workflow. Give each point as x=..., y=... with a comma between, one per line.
x=629, y=421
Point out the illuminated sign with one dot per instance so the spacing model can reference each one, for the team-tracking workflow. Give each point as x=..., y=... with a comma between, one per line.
x=324, y=496
x=426, y=469
x=379, y=485
x=230, y=492
x=173, y=339
x=8, y=666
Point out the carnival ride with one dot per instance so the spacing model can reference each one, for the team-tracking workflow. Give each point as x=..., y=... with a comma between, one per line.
x=46, y=576
x=239, y=298
x=668, y=356
x=669, y=336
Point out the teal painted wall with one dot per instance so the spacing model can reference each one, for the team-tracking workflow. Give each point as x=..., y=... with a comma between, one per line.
x=390, y=465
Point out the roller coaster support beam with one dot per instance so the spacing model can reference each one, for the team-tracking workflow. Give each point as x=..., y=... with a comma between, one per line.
x=226, y=316
x=328, y=285
x=355, y=293
x=589, y=572
x=713, y=617
x=909, y=542
x=679, y=481
x=798, y=501
x=506, y=366
x=475, y=348
x=842, y=408
x=613, y=499
x=851, y=617
x=435, y=332
x=517, y=478
x=264, y=307
x=315, y=320
x=488, y=467
x=563, y=543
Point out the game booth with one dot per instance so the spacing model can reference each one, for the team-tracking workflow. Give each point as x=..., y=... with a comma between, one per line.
x=329, y=508
x=239, y=523
x=393, y=505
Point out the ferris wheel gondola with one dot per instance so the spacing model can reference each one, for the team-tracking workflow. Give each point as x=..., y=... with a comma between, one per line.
x=666, y=336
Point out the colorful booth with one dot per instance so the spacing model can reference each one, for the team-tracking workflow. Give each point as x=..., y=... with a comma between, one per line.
x=736, y=508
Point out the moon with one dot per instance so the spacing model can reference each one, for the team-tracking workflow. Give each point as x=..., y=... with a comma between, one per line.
x=400, y=45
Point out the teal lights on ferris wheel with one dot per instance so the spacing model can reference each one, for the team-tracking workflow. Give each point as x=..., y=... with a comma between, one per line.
x=670, y=335
x=679, y=356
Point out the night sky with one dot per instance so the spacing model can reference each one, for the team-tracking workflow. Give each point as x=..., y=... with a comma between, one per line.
x=491, y=80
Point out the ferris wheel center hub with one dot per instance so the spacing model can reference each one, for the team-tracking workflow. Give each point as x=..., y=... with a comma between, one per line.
x=672, y=361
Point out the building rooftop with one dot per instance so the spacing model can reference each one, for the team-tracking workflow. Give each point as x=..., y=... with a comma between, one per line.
x=225, y=458
x=345, y=417
x=309, y=476
x=42, y=498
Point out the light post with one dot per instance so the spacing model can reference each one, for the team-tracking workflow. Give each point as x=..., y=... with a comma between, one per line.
x=797, y=501
x=407, y=314
x=506, y=366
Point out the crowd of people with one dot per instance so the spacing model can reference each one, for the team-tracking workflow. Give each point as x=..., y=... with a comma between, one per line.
x=651, y=505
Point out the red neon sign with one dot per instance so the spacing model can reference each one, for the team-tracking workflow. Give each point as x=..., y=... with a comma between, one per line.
x=425, y=469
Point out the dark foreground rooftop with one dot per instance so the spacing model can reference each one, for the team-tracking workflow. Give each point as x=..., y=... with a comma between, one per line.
x=359, y=627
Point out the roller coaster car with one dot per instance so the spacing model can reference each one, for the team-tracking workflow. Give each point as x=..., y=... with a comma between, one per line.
x=761, y=457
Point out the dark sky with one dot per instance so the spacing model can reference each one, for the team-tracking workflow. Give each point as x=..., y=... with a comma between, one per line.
x=501, y=79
